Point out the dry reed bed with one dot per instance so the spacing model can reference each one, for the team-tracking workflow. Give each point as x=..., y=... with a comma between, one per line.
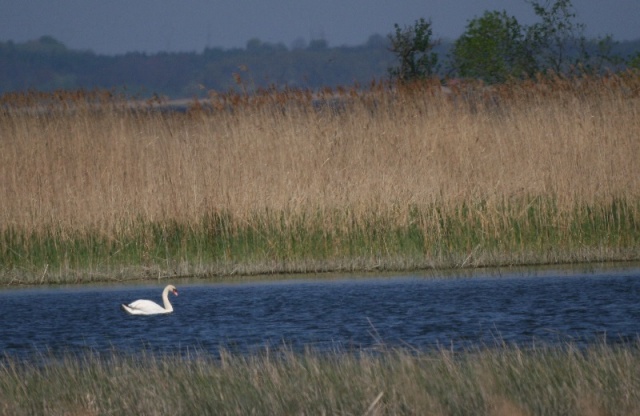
x=335, y=160
x=598, y=380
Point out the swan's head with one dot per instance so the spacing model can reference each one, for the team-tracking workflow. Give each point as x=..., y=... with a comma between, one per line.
x=173, y=289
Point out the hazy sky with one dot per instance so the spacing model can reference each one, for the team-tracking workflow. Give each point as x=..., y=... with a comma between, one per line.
x=119, y=26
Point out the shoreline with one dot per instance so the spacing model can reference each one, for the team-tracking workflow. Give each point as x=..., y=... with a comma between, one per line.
x=442, y=272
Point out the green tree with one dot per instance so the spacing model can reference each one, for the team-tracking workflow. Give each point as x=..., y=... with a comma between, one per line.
x=558, y=40
x=604, y=57
x=413, y=46
x=493, y=48
x=634, y=61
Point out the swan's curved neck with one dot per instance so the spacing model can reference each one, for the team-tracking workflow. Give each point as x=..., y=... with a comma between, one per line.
x=165, y=300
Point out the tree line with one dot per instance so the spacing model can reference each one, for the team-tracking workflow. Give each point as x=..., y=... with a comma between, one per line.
x=46, y=64
x=494, y=47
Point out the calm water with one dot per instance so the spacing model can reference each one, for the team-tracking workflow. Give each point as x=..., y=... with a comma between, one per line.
x=328, y=314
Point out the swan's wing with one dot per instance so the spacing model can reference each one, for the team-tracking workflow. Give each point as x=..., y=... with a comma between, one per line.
x=144, y=307
x=130, y=311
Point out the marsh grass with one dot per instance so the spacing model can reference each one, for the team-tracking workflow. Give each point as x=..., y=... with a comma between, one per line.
x=543, y=171
x=220, y=245
x=599, y=380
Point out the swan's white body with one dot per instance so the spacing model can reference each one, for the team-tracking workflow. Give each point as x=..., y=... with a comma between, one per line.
x=147, y=307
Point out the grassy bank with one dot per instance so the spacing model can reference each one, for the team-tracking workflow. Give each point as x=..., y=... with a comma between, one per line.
x=601, y=380
x=284, y=181
x=283, y=242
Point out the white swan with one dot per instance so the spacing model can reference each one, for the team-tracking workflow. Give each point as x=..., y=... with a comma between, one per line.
x=147, y=307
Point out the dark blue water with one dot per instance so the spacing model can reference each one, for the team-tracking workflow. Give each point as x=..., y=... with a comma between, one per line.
x=328, y=314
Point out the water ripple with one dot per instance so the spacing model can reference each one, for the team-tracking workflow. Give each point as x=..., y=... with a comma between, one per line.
x=325, y=314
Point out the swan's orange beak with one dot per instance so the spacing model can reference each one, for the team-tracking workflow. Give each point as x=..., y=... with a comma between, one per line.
x=175, y=292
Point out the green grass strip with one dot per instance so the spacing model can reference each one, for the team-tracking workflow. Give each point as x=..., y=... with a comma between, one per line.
x=533, y=231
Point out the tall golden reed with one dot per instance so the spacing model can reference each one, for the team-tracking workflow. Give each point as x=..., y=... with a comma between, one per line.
x=79, y=162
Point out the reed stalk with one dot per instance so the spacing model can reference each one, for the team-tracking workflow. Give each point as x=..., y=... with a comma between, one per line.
x=542, y=171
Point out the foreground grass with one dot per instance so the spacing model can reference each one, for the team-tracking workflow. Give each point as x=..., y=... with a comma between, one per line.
x=601, y=380
x=394, y=177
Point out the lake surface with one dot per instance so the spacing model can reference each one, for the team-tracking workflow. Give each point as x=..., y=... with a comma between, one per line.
x=337, y=313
